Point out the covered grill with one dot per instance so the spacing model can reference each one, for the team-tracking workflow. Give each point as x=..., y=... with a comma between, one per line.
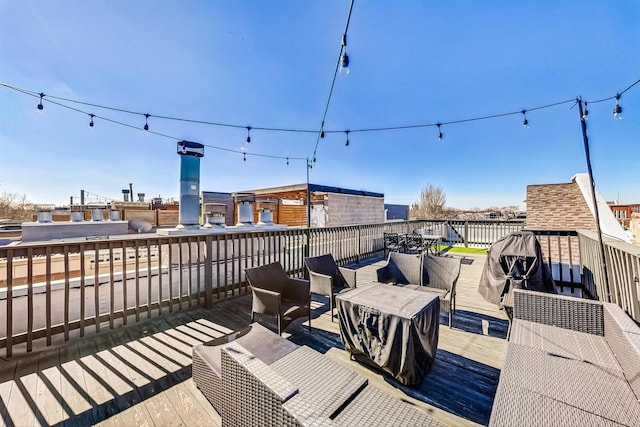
x=515, y=261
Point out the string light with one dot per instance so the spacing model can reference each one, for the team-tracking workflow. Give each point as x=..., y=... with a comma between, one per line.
x=346, y=143
x=146, y=122
x=287, y=161
x=244, y=157
x=344, y=58
x=617, y=110
x=585, y=112
x=40, y=106
x=249, y=135
x=91, y=122
x=333, y=81
x=525, y=122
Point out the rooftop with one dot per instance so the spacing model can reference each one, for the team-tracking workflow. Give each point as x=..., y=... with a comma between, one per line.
x=141, y=374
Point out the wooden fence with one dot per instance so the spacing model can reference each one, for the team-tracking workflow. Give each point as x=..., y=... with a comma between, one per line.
x=623, y=268
x=53, y=290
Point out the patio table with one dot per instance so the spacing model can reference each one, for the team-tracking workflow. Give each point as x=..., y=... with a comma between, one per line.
x=391, y=327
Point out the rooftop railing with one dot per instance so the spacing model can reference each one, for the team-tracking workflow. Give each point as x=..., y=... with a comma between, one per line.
x=51, y=291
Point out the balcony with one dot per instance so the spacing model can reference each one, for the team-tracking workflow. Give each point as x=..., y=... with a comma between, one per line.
x=119, y=353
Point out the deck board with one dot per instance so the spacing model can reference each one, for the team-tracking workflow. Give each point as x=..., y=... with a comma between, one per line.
x=140, y=374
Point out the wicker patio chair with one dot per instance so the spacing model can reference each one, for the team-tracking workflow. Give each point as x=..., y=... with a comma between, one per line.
x=404, y=269
x=276, y=294
x=440, y=275
x=393, y=242
x=327, y=278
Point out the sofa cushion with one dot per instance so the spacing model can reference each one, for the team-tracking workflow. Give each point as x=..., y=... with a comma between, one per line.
x=320, y=380
x=623, y=336
x=595, y=389
x=564, y=343
x=517, y=406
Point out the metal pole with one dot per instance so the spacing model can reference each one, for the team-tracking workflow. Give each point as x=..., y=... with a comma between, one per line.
x=309, y=166
x=583, y=124
x=307, y=249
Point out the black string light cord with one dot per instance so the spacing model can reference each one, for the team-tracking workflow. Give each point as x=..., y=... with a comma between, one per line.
x=55, y=100
x=333, y=83
x=49, y=98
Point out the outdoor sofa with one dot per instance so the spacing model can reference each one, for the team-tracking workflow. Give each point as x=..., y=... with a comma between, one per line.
x=569, y=362
x=278, y=383
x=435, y=274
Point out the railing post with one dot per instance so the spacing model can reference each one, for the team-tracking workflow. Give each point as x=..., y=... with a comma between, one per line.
x=307, y=244
x=466, y=234
x=359, y=234
x=208, y=272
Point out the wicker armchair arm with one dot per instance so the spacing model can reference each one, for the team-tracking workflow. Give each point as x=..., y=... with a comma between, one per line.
x=298, y=290
x=265, y=301
x=349, y=276
x=320, y=283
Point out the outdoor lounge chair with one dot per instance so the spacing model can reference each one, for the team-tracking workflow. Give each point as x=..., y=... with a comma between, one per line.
x=401, y=269
x=440, y=275
x=276, y=294
x=437, y=275
x=327, y=279
x=305, y=388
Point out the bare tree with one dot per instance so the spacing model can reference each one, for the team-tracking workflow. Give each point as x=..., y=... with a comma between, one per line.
x=15, y=206
x=431, y=204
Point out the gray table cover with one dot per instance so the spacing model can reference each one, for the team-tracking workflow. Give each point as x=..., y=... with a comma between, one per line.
x=393, y=327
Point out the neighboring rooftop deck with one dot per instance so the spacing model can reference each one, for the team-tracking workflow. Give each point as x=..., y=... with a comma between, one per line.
x=141, y=374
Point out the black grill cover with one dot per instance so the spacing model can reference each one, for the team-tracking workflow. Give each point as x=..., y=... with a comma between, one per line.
x=516, y=259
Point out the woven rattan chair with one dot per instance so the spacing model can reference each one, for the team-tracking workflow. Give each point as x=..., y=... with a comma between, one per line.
x=440, y=275
x=403, y=269
x=276, y=294
x=327, y=279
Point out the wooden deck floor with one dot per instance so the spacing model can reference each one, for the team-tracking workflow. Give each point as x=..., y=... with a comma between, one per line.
x=141, y=374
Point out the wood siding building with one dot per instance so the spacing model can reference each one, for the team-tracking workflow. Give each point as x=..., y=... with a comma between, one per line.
x=330, y=206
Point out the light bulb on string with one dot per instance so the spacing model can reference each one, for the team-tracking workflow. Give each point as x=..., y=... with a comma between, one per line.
x=344, y=64
x=617, y=110
x=525, y=122
x=91, y=122
x=585, y=112
x=440, y=137
x=146, y=122
x=287, y=161
x=344, y=58
x=321, y=133
x=346, y=143
x=40, y=106
x=248, y=134
x=244, y=157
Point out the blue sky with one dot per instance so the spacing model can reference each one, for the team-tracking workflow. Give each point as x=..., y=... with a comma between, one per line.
x=270, y=64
